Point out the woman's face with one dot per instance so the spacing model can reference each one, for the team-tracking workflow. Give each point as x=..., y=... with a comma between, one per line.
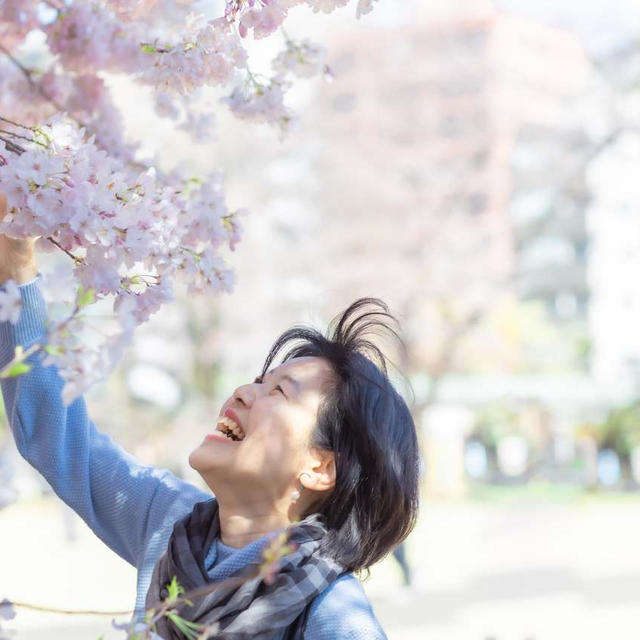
x=276, y=416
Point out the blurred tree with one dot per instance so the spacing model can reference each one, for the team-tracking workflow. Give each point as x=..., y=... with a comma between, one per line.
x=620, y=431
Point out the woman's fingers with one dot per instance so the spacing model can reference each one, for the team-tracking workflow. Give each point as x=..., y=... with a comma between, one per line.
x=17, y=259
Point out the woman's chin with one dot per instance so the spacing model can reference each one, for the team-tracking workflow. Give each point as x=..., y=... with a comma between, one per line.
x=206, y=457
x=200, y=460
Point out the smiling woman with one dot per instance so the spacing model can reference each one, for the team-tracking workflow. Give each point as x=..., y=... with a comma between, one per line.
x=320, y=446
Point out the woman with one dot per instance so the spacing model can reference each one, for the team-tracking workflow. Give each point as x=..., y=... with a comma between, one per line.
x=321, y=440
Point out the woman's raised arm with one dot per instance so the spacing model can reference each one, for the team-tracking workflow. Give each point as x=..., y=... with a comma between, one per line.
x=124, y=502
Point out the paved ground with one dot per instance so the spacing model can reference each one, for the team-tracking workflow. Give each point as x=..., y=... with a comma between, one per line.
x=514, y=569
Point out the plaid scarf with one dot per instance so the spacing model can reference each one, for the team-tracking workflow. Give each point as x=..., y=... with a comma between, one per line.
x=244, y=609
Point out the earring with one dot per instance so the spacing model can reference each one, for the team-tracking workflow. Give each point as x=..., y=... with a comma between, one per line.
x=295, y=495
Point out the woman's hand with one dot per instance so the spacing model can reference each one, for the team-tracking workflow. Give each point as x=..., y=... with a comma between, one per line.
x=17, y=259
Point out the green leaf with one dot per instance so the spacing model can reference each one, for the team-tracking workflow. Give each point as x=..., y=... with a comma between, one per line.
x=174, y=589
x=52, y=349
x=84, y=297
x=41, y=137
x=148, y=48
x=190, y=629
x=16, y=370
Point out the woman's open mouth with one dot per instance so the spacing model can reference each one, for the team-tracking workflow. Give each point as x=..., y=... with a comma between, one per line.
x=230, y=429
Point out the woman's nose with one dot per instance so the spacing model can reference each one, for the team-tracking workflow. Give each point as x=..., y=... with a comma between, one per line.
x=245, y=394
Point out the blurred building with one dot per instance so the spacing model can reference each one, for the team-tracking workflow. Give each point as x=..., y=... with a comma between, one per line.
x=469, y=113
x=614, y=265
x=437, y=172
x=614, y=223
x=547, y=72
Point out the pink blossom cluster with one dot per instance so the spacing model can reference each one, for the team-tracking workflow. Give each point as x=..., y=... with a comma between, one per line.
x=263, y=17
x=72, y=178
x=264, y=101
x=301, y=59
x=175, y=54
x=207, y=54
x=17, y=18
x=19, y=100
x=129, y=10
x=261, y=103
x=88, y=37
x=130, y=234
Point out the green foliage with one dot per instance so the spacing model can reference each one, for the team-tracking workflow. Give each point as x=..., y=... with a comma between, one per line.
x=18, y=366
x=15, y=370
x=52, y=349
x=84, y=297
x=494, y=422
x=190, y=629
x=41, y=137
x=620, y=431
x=175, y=590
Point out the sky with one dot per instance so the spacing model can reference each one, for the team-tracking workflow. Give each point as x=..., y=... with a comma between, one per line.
x=603, y=25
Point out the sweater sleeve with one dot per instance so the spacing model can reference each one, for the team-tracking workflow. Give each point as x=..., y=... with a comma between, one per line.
x=122, y=500
x=343, y=611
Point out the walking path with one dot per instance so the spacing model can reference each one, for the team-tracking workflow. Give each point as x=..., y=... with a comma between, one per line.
x=500, y=571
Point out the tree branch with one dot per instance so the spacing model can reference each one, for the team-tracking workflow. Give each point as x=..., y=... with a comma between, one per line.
x=12, y=146
x=88, y=612
x=15, y=135
x=73, y=257
x=15, y=124
x=27, y=74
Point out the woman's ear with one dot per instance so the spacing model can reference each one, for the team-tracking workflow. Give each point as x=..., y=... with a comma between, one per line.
x=320, y=471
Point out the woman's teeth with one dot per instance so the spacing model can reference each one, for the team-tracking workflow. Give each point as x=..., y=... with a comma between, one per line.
x=230, y=429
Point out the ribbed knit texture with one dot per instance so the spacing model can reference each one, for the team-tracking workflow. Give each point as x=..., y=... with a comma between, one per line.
x=130, y=506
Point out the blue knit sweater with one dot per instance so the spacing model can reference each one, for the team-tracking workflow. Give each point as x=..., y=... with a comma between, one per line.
x=130, y=506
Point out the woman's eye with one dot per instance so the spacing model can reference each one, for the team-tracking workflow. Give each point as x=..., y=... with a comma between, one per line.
x=280, y=389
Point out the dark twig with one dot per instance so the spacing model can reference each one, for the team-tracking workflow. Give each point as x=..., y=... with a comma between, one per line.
x=12, y=146
x=57, y=244
x=88, y=612
x=16, y=135
x=15, y=124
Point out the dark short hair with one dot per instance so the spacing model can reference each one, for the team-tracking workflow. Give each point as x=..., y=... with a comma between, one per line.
x=369, y=427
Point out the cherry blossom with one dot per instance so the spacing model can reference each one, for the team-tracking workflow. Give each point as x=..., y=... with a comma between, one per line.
x=207, y=54
x=128, y=10
x=364, y=7
x=263, y=20
x=88, y=37
x=131, y=233
x=304, y=59
x=327, y=6
x=261, y=103
x=17, y=18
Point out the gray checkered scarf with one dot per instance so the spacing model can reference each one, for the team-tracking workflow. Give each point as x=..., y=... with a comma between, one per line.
x=244, y=609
